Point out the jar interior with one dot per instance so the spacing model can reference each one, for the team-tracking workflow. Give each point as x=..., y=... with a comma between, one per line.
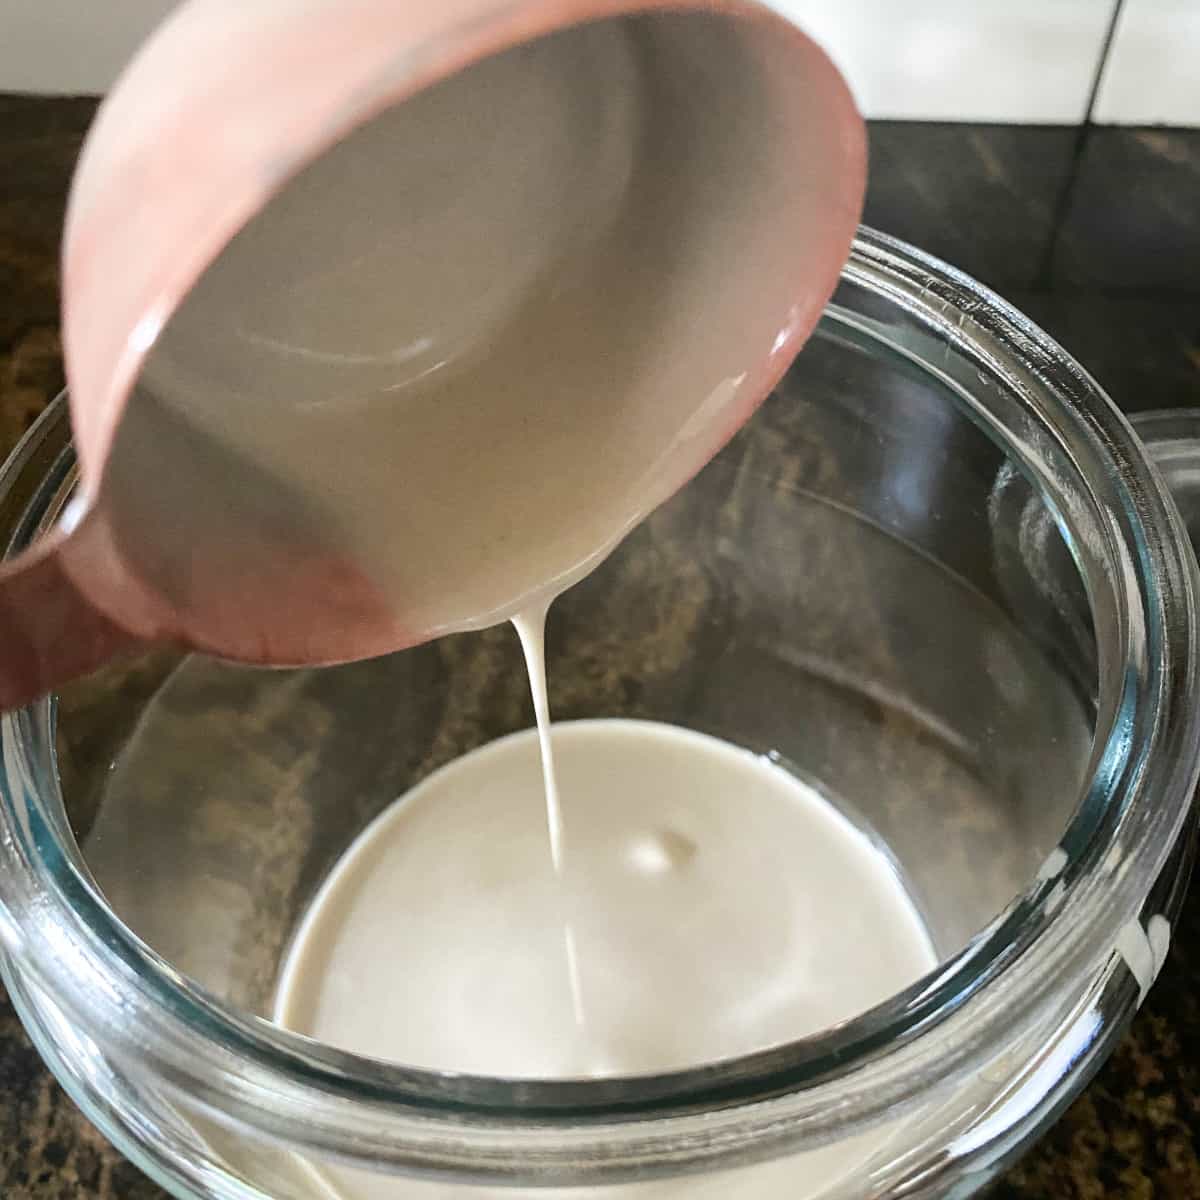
x=863, y=586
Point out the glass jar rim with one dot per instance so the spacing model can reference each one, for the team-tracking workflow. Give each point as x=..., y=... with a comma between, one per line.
x=287, y=1087
x=1170, y=433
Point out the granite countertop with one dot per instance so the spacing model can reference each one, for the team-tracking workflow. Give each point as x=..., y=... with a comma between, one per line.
x=1094, y=233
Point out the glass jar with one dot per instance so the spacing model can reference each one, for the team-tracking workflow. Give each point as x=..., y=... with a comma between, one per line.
x=936, y=576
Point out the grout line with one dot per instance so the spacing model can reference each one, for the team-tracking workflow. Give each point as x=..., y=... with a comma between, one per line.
x=1102, y=63
x=1062, y=203
x=1043, y=278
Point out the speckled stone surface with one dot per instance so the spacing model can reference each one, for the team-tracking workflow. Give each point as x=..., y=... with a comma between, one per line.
x=1013, y=207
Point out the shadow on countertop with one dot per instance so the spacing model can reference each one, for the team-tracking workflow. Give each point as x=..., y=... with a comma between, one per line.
x=1094, y=233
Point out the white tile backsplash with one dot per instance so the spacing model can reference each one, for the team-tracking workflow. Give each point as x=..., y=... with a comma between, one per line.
x=71, y=46
x=963, y=60
x=953, y=60
x=1153, y=72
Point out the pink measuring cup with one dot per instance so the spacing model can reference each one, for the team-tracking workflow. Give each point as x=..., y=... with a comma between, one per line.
x=223, y=106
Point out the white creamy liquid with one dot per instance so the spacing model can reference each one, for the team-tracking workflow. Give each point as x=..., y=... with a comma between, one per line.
x=718, y=905
x=457, y=358
x=531, y=629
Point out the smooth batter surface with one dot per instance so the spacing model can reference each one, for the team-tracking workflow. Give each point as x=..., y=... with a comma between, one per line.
x=718, y=905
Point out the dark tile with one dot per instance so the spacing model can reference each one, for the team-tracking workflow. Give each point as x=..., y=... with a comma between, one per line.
x=40, y=138
x=1133, y=219
x=1144, y=350
x=982, y=197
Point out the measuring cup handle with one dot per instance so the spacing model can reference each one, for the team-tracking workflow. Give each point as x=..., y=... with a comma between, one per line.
x=50, y=630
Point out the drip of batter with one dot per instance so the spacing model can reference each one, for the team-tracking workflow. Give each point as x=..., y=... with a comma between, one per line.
x=531, y=629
